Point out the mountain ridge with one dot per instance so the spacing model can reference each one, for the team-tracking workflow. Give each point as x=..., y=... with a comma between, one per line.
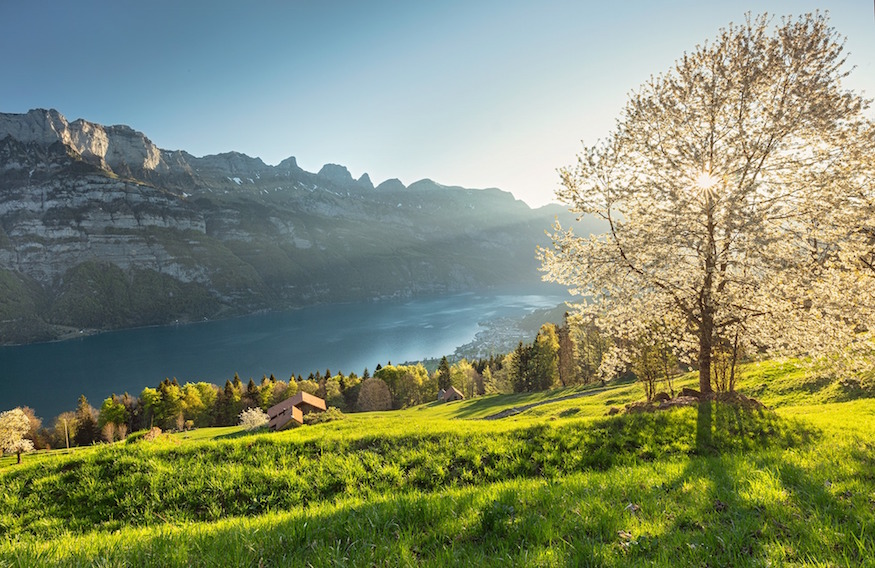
x=100, y=228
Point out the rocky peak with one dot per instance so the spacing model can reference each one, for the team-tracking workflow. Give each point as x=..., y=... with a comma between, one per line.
x=365, y=181
x=393, y=184
x=425, y=185
x=289, y=163
x=229, y=163
x=38, y=125
x=336, y=174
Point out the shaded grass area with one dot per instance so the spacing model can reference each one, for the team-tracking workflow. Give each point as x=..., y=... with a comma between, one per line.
x=778, y=506
x=152, y=483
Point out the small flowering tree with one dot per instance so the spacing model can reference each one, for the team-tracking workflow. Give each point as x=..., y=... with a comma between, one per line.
x=13, y=426
x=253, y=418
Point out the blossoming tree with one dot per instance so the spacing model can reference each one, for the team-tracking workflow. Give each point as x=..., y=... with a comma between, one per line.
x=13, y=427
x=734, y=187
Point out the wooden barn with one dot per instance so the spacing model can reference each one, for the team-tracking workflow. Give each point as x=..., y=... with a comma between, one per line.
x=292, y=410
x=453, y=393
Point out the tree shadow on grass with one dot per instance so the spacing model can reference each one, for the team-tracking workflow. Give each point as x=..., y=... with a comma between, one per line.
x=742, y=502
x=240, y=434
x=757, y=504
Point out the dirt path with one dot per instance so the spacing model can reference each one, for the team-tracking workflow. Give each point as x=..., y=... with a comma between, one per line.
x=517, y=409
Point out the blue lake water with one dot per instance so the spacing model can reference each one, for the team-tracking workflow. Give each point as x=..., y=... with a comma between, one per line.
x=49, y=377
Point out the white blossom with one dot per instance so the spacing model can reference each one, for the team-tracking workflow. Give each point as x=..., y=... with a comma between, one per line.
x=253, y=418
x=738, y=192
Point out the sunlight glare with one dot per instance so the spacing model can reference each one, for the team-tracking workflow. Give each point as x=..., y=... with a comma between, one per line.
x=706, y=181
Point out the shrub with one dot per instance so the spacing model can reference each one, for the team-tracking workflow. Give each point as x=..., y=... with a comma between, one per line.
x=253, y=419
x=153, y=434
x=330, y=415
x=136, y=436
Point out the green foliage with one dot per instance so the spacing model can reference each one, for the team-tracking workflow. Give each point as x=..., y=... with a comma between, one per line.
x=87, y=431
x=591, y=346
x=443, y=373
x=308, y=386
x=329, y=415
x=406, y=384
x=535, y=367
x=199, y=402
x=545, y=358
x=113, y=411
x=465, y=378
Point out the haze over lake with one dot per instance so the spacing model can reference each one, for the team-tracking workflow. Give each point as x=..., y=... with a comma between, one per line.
x=49, y=377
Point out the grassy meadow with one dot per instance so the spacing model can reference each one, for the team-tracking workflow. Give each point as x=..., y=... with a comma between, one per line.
x=559, y=484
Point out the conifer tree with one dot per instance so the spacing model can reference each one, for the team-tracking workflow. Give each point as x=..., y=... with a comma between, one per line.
x=444, y=378
x=87, y=432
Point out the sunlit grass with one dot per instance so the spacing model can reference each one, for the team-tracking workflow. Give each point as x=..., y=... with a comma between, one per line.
x=730, y=510
x=559, y=484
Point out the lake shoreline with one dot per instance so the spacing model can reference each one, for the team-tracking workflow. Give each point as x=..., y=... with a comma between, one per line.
x=72, y=333
x=50, y=376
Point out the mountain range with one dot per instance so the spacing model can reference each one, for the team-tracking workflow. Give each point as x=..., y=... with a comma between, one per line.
x=101, y=229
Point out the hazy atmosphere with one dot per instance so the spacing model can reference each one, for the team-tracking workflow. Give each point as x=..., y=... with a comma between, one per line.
x=486, y=283
x=477, y=94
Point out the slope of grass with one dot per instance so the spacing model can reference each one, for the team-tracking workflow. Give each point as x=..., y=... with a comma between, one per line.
x=118, y=486
x=776, y=507
x=557, y=485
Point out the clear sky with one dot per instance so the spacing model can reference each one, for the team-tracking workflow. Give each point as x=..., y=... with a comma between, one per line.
x=478, y=93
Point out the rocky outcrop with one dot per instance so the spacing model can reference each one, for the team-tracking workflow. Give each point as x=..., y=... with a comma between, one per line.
x=118, y=149
x=98, y=215
x=336, y=174
x=365, y=181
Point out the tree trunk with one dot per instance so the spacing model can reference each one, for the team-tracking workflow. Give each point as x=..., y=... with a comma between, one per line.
x=705, y=337
x=19, y=457
x=706, y=328
x=734, y=361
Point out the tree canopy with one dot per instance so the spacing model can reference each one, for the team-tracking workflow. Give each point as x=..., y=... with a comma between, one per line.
x=14, y=424
x=734, y=188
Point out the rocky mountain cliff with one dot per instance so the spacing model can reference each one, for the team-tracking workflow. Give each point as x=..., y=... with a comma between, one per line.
x=101, y=229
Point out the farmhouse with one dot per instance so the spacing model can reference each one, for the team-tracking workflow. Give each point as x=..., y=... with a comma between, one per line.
x=292, y=410
x=452, y=393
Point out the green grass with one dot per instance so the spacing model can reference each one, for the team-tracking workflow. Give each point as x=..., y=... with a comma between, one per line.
x=557, y=485
x=201, y=434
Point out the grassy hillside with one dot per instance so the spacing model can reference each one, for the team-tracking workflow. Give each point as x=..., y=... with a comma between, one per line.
x=559, y=484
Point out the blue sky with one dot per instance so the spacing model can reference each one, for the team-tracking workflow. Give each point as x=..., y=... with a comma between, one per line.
x=478, y=93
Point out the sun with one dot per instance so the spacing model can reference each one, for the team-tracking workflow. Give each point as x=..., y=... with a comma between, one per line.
x=706, y=181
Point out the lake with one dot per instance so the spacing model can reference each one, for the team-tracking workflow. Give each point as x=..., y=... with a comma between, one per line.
x=49, y=377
